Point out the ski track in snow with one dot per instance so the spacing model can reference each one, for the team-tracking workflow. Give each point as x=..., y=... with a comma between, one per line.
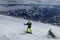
x=13, y=29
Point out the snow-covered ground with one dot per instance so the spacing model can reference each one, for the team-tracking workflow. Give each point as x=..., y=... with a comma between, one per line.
x=13, y=29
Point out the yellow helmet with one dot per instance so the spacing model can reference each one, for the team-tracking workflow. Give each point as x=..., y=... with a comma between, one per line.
x=28, y=21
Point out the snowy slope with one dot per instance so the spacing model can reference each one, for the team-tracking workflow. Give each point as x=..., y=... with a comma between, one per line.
x=13, y=29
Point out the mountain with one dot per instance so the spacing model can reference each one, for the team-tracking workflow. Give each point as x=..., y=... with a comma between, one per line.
x=29, y=1
x=44, y=13
x=14, y=29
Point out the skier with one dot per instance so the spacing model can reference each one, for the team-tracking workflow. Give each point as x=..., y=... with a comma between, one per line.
x=29, y=27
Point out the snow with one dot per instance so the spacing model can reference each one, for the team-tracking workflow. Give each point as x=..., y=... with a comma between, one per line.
x=3, y=8
x=13, y=29
x=27, y=1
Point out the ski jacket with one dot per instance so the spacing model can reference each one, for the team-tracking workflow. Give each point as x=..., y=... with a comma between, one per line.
x=29, y=25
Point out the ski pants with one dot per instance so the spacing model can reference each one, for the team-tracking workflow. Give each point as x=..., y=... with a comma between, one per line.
x=28, y=30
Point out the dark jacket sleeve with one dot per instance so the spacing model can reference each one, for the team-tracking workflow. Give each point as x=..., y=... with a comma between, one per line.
x=26, y=24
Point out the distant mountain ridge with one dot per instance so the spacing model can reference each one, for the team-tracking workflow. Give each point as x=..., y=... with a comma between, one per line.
x=44, y=14
x=29, y=1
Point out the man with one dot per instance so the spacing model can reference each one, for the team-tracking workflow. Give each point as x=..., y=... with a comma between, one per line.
x=29, y=27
